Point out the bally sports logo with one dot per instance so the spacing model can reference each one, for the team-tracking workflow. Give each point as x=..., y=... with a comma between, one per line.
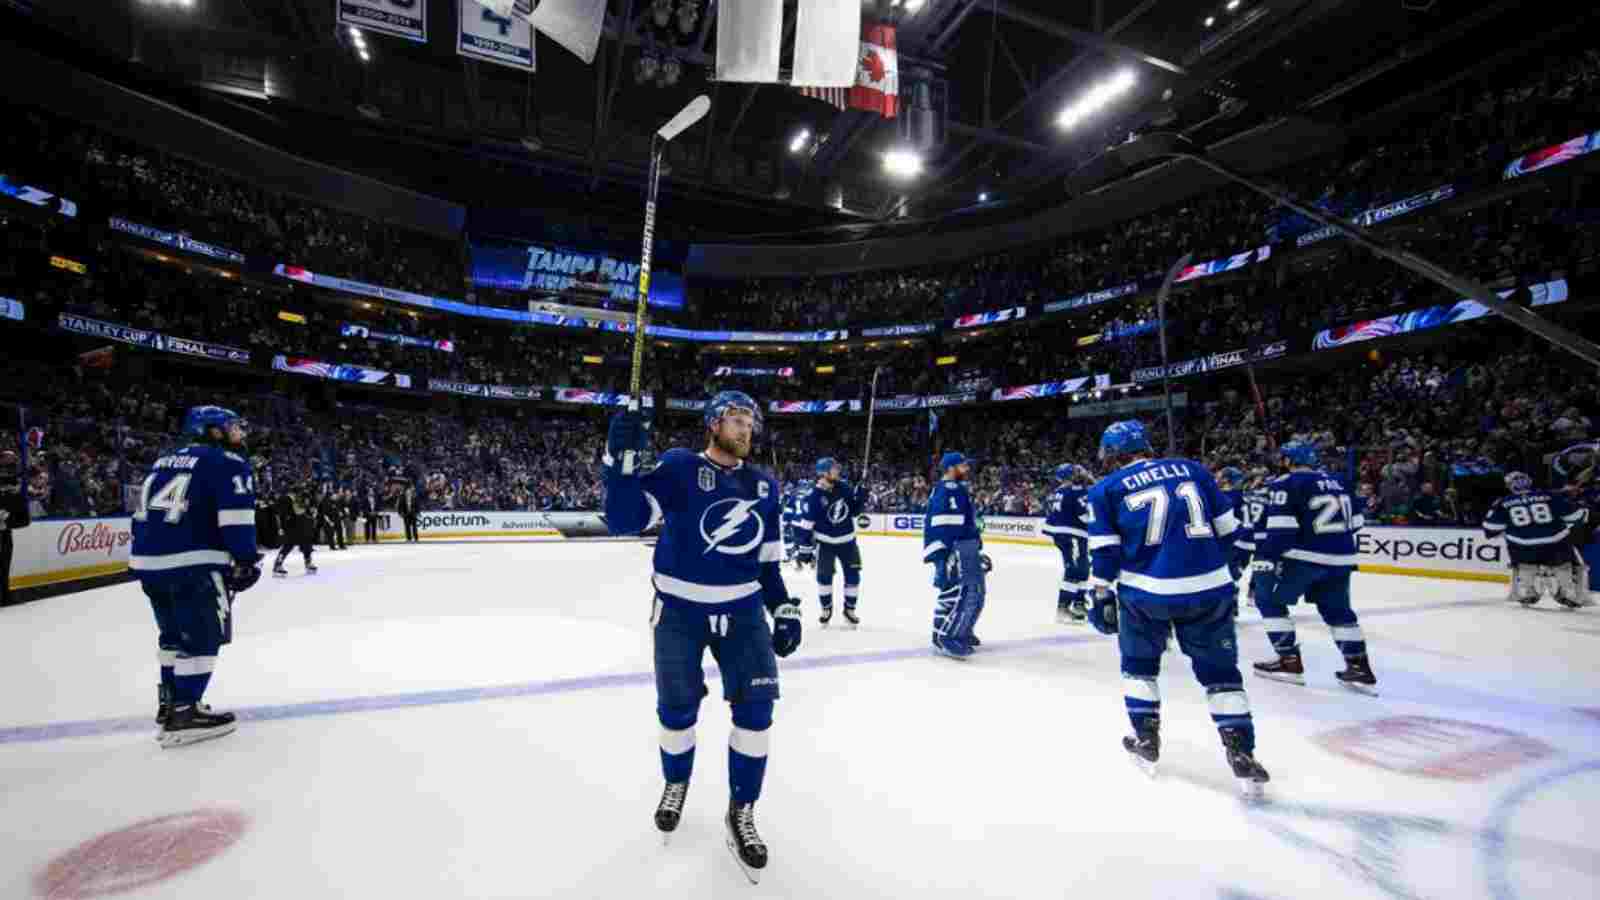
x=451, y=520
x=75, y=537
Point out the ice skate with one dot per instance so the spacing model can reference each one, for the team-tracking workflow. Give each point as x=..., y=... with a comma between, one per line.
x=1358, y=676
x=1144, y=747
x=278, y=571
x=743, y=842
x=163, y=705
x=670, y=810
x=851, y=620
x=826, y=617
x=193, y=723
x=1251, y=775
x=311, y=569
x=1287, y=667
x=955, y=649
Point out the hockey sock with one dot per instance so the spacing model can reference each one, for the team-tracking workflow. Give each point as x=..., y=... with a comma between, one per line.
x=825, y=595
x=1230, y=705
x=747, y=750
x=1346, y=630
x=191, y=674
x=1280, y=630
x=1140, y=692
x=852, y=592
x=168, y=659
x=677, y=743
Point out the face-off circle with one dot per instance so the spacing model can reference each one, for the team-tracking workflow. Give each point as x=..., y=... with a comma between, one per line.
x=142, y=854
x=1446, y=749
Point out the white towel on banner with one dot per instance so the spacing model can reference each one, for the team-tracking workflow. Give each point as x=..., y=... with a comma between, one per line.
x=748, y=35
x=827, y=42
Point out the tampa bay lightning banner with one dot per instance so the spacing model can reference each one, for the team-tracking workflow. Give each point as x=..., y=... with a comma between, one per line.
x=485, y=34
x=596, y=398
x=401, y=18
x=177, y=241
x=1051, y=388
x=361, y=331
x=339, y=371
x=1093, y=297
x=1565, y=151
x=784, y=407
x=990, y=318
x=1226, y=264
x=735, y=371
x=1215, y=361
x=1380, y=214
x=38, y=197
x=1428, y=317
x=549, y=268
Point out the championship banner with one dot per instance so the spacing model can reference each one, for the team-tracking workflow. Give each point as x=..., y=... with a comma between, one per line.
x=686, y=405
x=899, y=330
x=202, y=349
x=1215, y=361
x=485, y=34
x=552, y=269
x=1093, y=297
x=514, y=392
x=38, y=197
x=1380, y=214
x=1428, y=317
x=596, y=398
x=361, y=331
x=938, y=400
x=733, y=371
x=339, y=371
x=12, y=309
x=991, y=318
x=1566, y=151
x=894, y=403
x=458, y=387
x=401, y=18
x=786, y=407
x=109, y=331
x=1229, y=264
x=1051, y=388
x=177, y=241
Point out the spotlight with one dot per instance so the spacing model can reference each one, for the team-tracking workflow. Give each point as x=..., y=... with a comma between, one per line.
x=1233, y=5
x=1210, y=21
x=983, y=196
x=1097, y=98
x=902, y=163
x=364, y=56
x=355, y=33
x=800, y=140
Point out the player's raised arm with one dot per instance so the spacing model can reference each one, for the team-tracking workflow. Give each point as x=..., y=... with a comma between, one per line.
x=631, y=505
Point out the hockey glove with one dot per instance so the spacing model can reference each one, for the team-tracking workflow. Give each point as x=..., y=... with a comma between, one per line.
x=785, y=627
x=946, y=571
x=1103, y=611
x=988, y=564
x=1237, y=565
x=242, y=576
x=625, y=439
x=1264, y=579
x=806, y=556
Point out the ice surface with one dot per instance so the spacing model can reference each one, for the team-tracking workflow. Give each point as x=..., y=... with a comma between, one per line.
x=374, y=760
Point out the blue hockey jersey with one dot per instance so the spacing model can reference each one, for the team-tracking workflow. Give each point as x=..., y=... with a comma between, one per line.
x=829, y=514
x=1064, y=516
x=1162, y=531
x=720, y=542
x=1252, y=505
x=950, y=519
x=197, y=513
x=1532, y=522
x=1310, y=517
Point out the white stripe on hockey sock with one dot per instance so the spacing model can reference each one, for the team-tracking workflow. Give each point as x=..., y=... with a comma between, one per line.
x=194, y=665
x=1347, y=633
x=1141, y=689
x=167, y=658
x=747, y=742
x=677, y=742
x=852, y=591
x=825, y=590
x=1229, y=703
x=1277, y=625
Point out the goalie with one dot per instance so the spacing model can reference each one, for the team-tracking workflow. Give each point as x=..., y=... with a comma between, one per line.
x=1538, y=528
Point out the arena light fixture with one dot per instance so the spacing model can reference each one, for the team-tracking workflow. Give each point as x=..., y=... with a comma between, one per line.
x=1097, y=98
x=902, y=162
x=1233, y=5
x=1210, y=21
x=983, y=196
x=802, y=138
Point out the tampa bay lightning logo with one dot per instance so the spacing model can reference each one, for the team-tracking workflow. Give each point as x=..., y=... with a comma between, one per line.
x=726, y=524
x=838, y=511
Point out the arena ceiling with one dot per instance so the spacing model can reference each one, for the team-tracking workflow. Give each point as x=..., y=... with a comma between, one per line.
x=999, y=73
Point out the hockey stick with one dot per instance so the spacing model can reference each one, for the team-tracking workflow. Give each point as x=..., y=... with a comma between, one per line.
x=872, y=406
x=694, y=112
x=1161, y=314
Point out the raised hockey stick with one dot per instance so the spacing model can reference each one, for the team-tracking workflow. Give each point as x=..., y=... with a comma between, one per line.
x=694, y=112
x=872, y=405
x=1166, y=368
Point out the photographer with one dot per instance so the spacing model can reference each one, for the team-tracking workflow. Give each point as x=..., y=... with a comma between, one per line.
x=296, y=510
x=13, y=515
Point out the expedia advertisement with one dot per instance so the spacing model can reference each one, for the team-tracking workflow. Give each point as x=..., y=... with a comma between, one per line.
x=1461, y=552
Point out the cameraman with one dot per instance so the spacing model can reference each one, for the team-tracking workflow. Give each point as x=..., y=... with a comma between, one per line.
x=13, y=515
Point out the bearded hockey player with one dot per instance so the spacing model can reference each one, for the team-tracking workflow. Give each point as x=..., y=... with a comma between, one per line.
x=952, y=546
x=1064, y=523
x=1537, y=527
x=828, y=518
x=715, y=566
x=1306, y=547
x=1160, y=535
x=194, y=548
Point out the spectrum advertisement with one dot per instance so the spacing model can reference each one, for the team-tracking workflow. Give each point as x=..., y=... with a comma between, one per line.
x=549, y=268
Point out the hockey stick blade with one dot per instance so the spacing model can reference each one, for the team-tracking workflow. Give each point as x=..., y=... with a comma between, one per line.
x=694, y=112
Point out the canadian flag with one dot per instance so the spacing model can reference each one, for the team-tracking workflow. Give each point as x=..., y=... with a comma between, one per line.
x=877, y=73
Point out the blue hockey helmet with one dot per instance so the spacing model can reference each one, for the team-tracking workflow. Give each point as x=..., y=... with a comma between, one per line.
x=951, y=460
x=1519, y=482
x=826, y=464
x=1124, y=438
x=1299, y=453
x=729, y=401
x=1066, y=472
x=1231, y=477
x=201, y=419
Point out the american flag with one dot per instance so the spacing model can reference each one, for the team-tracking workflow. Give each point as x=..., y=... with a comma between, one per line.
x=837, y=96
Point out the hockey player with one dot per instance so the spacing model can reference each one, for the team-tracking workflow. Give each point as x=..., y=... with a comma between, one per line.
x=716, y=564
x=828, y=517
x=1231, y=482
x=953, y=547
x=1537, y=527
x=1064, y=523
x=297, y=528
x=1160, y=535
x=194, y=548
x=1306, y=547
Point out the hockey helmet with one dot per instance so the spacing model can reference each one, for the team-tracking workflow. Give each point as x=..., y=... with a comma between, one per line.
x=1231, y=477
x=1124, y=438
x=1299, y=453
x=201, y=419
x=729, y=401
x=1518, y=482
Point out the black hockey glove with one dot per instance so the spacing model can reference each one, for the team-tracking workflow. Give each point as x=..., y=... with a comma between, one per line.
x=241, y=577
x=1103, y=611
x=785, y=627
x=806, y=556
x=988, y=564
x=625, y=441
